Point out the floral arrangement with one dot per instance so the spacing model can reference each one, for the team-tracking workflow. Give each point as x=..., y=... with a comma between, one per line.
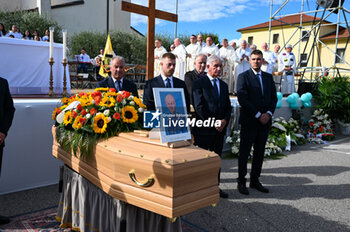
x=85, y=118
x=270, y=149
x=281, y=128
x=319, y=127
x=277, y=139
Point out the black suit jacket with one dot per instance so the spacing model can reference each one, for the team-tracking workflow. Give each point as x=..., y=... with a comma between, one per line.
x=127, y=85
x=7, y=109
x=207, y=105
x=190, y=76
x=251, y=98
x=157, y=82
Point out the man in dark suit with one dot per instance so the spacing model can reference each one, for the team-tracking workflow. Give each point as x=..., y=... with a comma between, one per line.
x=7, y=111
x=164, y=80
x=200, y=63
x=211, y=100
x=117, y=80
x=256, y=94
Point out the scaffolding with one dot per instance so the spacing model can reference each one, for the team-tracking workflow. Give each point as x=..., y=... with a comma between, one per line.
x=314, y=32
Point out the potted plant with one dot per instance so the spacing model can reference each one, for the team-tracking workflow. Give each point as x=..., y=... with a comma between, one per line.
x=333, y=97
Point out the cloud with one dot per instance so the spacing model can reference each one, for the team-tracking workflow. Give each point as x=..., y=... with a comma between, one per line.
x=194, y=10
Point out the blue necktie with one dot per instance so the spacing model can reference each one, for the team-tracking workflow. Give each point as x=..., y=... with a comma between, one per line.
x=168, y=85
x=118, y=85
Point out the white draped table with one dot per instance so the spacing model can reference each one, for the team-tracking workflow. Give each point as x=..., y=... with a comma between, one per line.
x=25, y=65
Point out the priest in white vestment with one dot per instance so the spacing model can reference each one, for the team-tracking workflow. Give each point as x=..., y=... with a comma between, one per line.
x=287, y=65
x=159, y=51
x=228, y=54
x=242, y=59
x=268, y=59
x=211, y=48
x=200, y=41
x=193, y=49
x=180, y=53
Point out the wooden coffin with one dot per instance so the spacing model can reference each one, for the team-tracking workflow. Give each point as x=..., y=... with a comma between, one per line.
x=167, y=179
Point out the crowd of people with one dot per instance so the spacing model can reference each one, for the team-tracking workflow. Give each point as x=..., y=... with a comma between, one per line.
x=16, y=34
x=235, y=60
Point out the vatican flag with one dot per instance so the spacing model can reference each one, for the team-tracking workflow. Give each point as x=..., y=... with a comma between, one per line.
x=106, y=59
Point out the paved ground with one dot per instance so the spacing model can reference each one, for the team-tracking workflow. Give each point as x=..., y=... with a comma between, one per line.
x=309, y=191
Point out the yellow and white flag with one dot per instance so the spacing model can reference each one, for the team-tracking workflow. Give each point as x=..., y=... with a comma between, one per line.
x=106, y=59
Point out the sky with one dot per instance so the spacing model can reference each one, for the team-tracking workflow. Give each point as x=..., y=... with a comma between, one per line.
x=222, y=17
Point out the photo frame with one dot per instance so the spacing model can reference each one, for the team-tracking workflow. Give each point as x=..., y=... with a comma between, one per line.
x=171, y=103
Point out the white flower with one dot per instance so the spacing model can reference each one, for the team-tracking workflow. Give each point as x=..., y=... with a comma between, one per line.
x=121, y=92
x=234, y=150
x=238, y=140
x=106, y=112
x=93, y=101
x=228, y=139
x=132, y=103
x=140, y=110
x=131, y=98
x=109, y=119
x=124, y=102
x=88, y=116
x=279, y=126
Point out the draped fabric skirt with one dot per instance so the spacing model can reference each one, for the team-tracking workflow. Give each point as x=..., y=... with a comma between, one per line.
x=85, y=207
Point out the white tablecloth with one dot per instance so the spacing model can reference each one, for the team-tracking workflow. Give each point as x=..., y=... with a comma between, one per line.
x=27, y=161
x=25, y=64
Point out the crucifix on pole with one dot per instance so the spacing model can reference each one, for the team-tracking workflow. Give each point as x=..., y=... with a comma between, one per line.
x=152, y=14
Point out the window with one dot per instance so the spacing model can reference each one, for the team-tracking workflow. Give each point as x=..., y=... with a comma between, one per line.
x=306, y=37
x=303, y=60
x=250, y=40
x=340, y=52
x=275, y=38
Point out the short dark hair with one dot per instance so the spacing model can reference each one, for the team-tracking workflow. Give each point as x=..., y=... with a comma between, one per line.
x=159, y=40
x=257, y=52
x=169, y=55
x=193, y=35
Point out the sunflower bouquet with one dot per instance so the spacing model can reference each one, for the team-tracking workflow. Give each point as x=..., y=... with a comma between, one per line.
x=84, y=118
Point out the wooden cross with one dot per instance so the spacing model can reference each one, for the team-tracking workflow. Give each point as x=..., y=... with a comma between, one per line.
x=152, y=14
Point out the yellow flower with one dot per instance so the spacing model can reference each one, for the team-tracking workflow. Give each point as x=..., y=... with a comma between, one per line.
x=139, y=102
x=64, y=100
x=101, y=89
x=67, y=118
x=77, y=124
x=129, y=114
x=54, y=113
x=100, y=123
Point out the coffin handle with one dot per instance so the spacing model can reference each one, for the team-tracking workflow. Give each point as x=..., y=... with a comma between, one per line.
x=149, y=182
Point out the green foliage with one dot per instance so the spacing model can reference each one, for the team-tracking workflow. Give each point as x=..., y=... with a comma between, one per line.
x=213, y=35
x=334, y=97
x=31, y=21
x=132, y=47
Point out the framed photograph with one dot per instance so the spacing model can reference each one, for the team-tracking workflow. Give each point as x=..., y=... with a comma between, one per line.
x=170, y=102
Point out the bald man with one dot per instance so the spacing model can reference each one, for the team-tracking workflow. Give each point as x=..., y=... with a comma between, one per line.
x=180, y=54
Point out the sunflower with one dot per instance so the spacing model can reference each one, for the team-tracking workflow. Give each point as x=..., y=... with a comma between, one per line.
x=64, y=100
x=55, y=112
x=129, y=114
x=67, y=118
x=101, y=89
x=77, y=123
x=100, y=123
x=139, y=102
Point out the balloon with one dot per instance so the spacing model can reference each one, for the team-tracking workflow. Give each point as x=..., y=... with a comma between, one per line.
x=294, y=105
x=279, y=100
x=279, y=95
x=307, y=104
